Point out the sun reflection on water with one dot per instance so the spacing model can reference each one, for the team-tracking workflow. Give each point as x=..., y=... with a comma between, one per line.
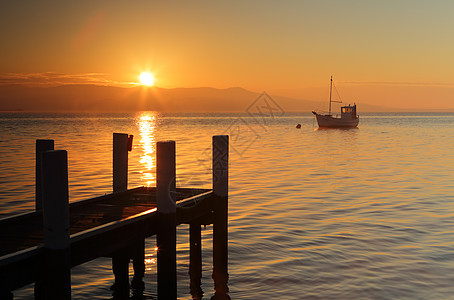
x=147, y=123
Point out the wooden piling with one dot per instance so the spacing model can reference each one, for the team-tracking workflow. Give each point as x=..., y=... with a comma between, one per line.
x=57, y=273
x=120, y=259
x=166, y=204
x=41, y=146
x=220, y=223
x=165, y=177
x=6, y=295
x=195, y=260
x=120, y=162
x=138, y=263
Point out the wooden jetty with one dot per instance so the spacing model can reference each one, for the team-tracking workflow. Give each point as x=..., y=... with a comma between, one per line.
x=42, y=246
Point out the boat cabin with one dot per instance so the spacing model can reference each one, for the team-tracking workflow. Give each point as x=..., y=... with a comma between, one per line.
x=348, y=112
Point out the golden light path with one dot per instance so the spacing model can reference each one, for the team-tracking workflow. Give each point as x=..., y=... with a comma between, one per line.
x=147, y=128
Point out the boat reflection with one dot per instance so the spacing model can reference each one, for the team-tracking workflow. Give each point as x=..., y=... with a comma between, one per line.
x=147, y=123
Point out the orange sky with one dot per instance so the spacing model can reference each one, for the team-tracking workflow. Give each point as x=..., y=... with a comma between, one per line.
x=397, y=53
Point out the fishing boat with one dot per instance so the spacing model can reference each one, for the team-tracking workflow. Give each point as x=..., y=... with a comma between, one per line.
x=347, y=119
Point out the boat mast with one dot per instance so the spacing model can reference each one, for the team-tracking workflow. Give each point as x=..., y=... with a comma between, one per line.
x=330, y=92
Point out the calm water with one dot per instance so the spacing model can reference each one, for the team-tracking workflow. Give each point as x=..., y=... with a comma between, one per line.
x=313, y=214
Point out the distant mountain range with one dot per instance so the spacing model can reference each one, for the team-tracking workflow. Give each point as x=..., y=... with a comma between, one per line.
x=96, y=98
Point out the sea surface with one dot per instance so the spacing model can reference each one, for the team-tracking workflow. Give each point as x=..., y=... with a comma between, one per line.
x=364, y=213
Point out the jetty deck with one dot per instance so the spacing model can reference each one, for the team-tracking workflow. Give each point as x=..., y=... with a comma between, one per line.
x=24, y=231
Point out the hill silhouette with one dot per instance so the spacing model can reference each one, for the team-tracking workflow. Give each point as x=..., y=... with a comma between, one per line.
x=97, y=98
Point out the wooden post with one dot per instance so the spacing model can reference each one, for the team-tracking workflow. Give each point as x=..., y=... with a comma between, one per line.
x=220, y=223
x=7, y=295
x=195, y=260
x=138, y=263
x=120, y=260
x=120, y=162
x=166, y=236
x=165, y=177
x=57, y=274
x=41, y=146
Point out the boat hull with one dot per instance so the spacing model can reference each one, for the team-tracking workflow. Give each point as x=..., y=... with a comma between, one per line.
x=327, y=121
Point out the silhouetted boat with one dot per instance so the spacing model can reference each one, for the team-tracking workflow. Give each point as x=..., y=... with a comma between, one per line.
x=348, y=118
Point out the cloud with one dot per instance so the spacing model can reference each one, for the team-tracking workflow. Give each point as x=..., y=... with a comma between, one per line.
x=390, y=83
x=55, y=79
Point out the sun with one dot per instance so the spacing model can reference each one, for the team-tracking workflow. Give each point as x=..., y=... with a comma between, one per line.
x=146, y=78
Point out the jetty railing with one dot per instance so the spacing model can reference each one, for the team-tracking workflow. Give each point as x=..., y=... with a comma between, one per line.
x=42, y=246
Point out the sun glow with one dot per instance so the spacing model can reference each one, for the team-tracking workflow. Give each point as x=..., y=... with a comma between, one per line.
x=146, y=78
